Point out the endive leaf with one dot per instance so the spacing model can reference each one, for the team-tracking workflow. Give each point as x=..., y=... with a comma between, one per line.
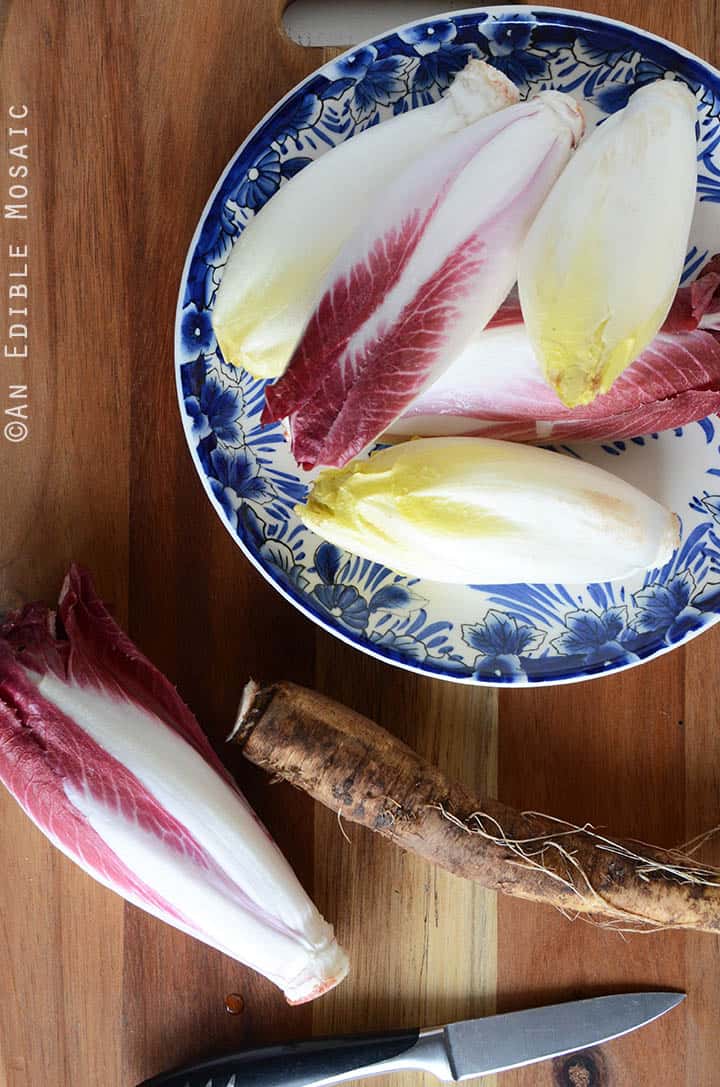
x=427, y=269
x=102, y=754
x=601, y=264
x=271, y=280
x=495, y=388
x=471, y=510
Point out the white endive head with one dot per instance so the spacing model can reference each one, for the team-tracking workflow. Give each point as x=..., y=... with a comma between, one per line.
x=602, y=261
x=472, y=510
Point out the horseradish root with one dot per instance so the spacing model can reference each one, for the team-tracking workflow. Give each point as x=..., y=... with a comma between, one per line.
x=368, y=776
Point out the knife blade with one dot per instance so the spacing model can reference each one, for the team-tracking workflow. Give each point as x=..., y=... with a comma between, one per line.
x=456, y=1052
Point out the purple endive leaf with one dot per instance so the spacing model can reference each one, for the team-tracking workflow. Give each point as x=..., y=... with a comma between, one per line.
x=103, y=755
x=102, y=651
x=496, y=388
x=416, y=280
x=43, y=753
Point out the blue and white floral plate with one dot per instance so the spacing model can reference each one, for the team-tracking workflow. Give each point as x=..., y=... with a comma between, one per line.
x=490, y=635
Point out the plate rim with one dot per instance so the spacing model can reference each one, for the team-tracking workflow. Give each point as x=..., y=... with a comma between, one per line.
x=423, y=669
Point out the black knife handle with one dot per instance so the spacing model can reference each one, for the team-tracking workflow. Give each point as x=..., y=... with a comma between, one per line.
x=294, y=1064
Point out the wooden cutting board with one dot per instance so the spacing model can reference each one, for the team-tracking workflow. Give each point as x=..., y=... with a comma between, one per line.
x=133, y=111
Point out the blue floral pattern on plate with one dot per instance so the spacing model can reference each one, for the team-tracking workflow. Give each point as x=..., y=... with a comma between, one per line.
x=496, y=634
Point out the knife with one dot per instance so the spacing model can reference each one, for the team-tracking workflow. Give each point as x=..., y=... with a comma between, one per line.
x=459, y=1051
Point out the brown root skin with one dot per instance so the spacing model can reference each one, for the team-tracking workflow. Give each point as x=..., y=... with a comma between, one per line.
x=361, y=771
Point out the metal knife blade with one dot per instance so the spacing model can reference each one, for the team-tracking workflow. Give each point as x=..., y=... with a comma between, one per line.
x=459, y=1051
x=479, y=1047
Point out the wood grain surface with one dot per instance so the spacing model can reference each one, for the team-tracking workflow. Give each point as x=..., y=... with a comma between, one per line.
x=134, y=110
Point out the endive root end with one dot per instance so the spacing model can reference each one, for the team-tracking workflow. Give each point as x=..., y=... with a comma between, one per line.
x=328, y=969
x=479, y=89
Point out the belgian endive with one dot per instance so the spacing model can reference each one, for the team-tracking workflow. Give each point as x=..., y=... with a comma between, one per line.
x=495, y=388
x=478, y=511
x=103, y=755
x=421, y=275
x=602, y=261
x=270, y=281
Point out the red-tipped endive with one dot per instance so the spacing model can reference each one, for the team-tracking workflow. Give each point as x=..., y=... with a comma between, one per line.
x=425, y=271
x=271, y=280
x=495, y=387
x=102, y=754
